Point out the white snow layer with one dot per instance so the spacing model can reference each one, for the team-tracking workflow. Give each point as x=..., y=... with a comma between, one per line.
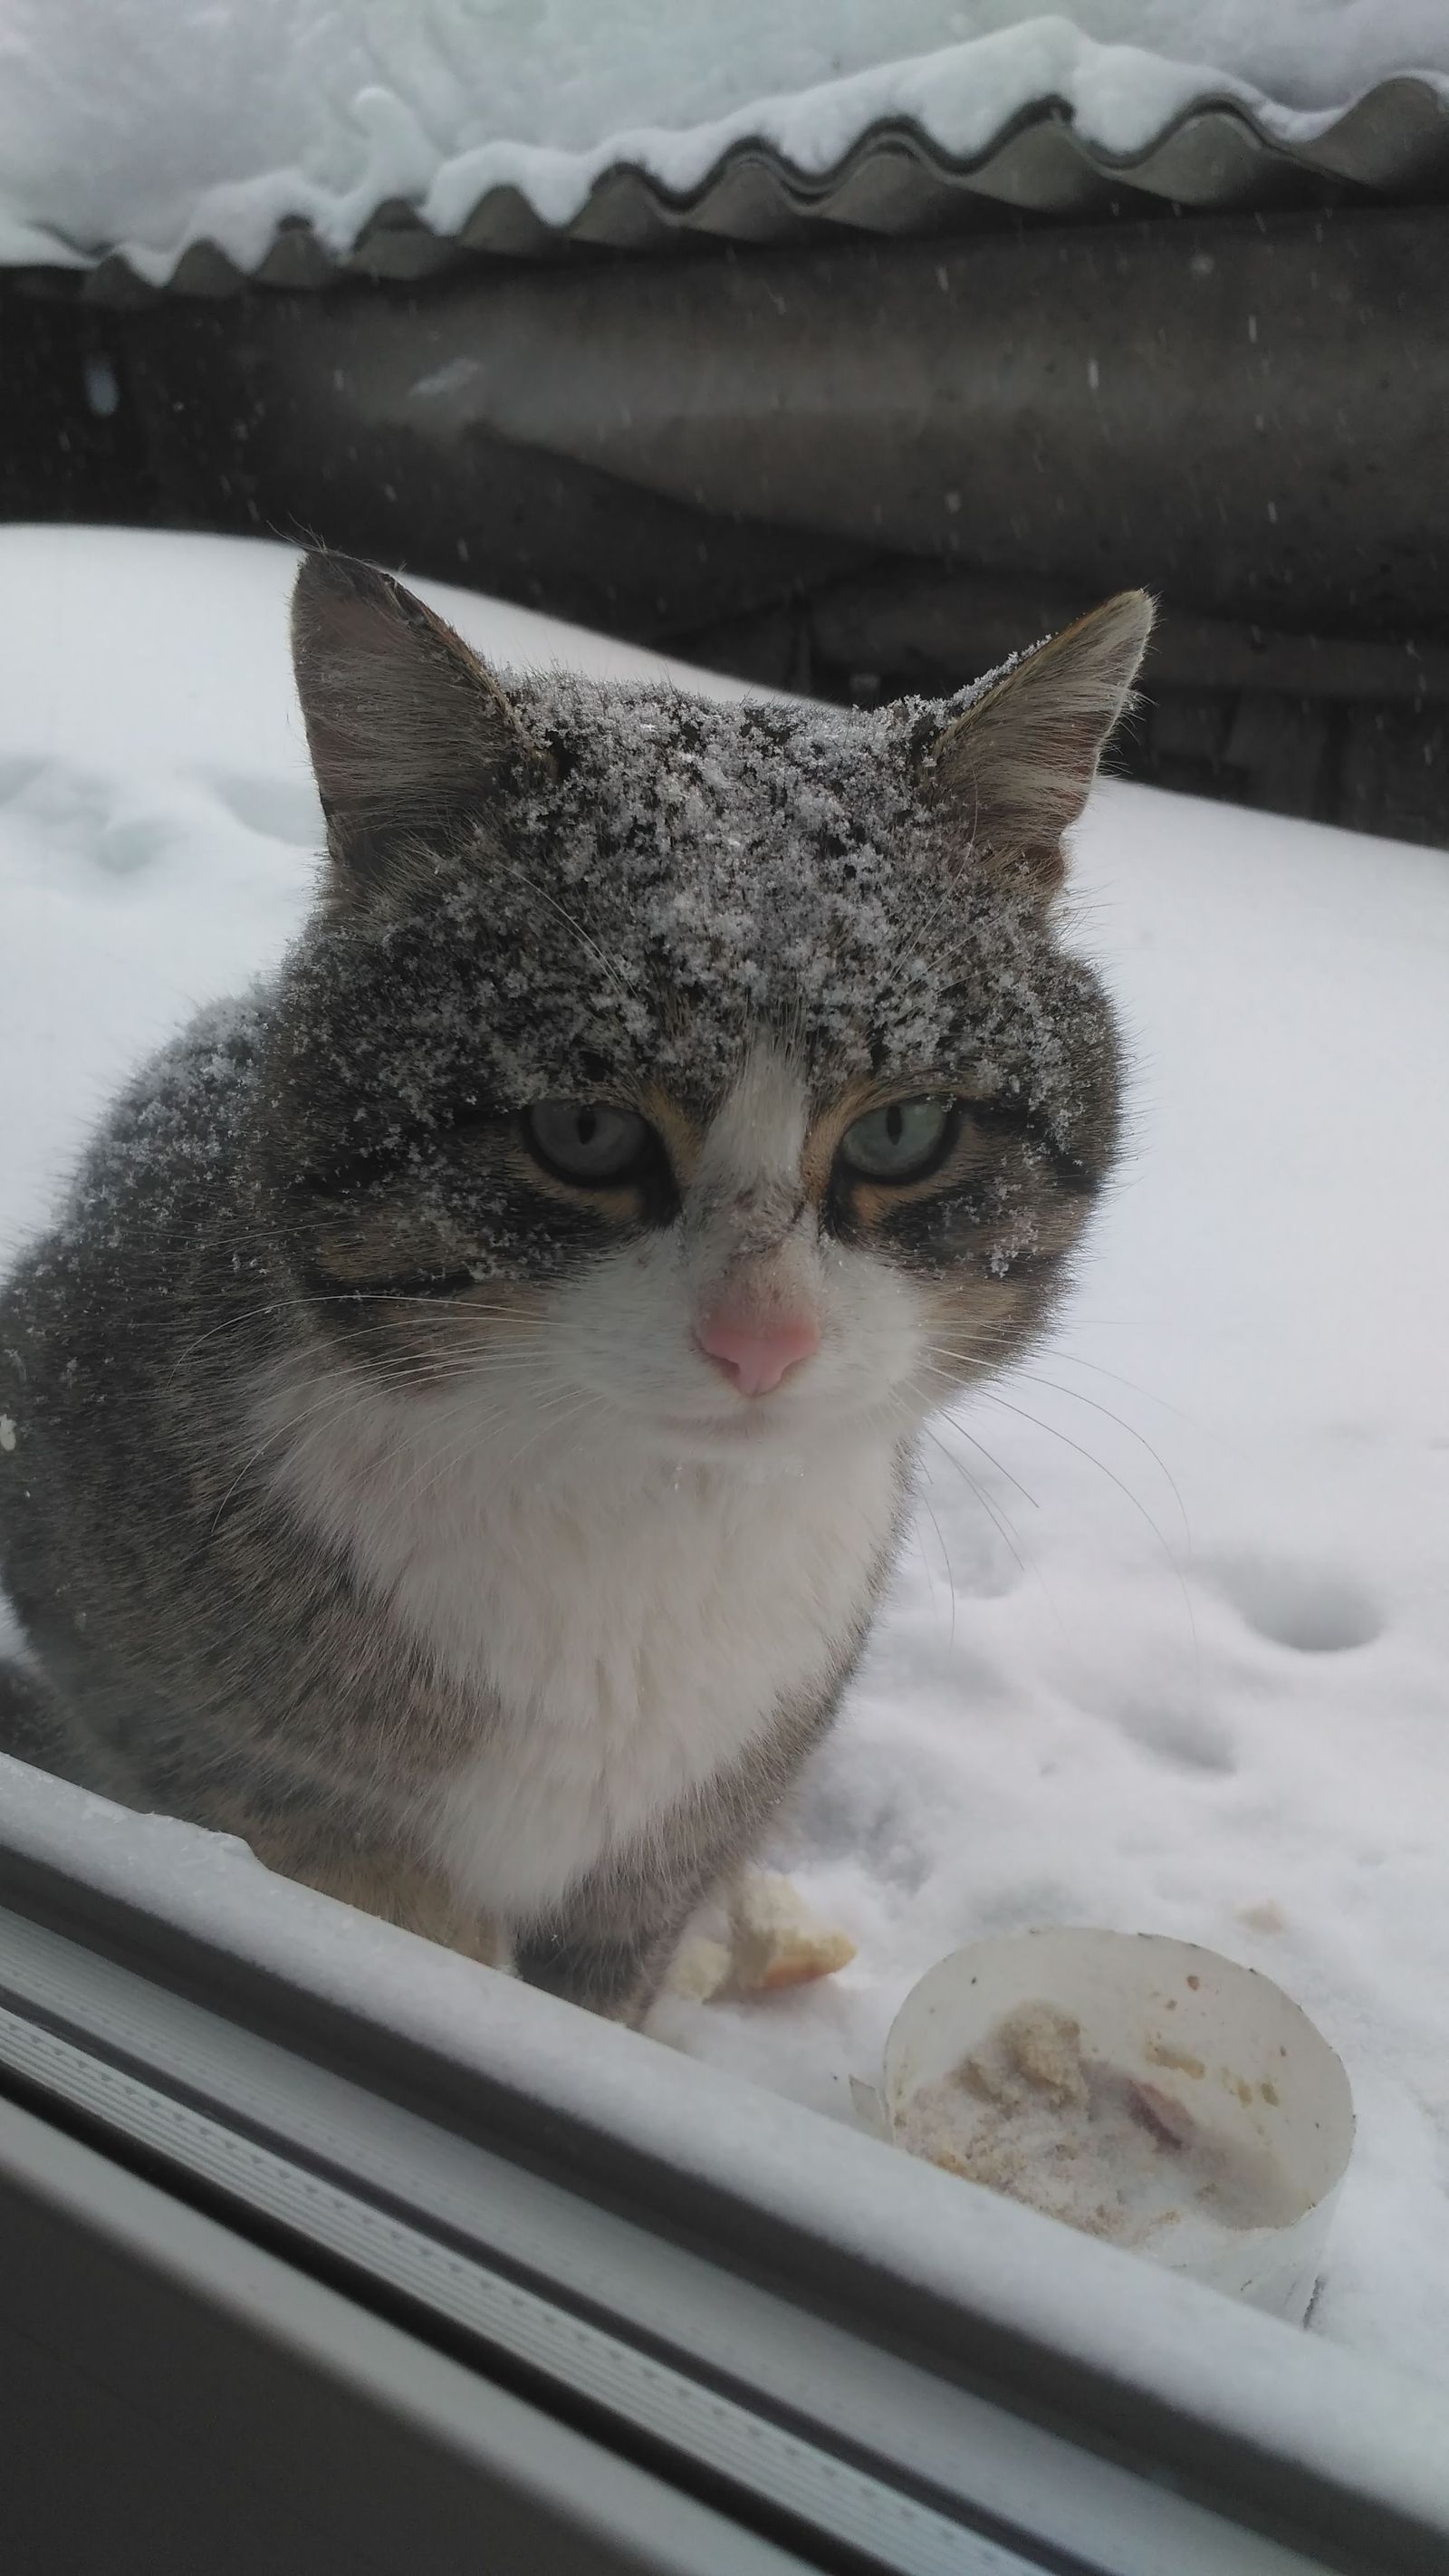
x=1168, y=1647
x=146, y=125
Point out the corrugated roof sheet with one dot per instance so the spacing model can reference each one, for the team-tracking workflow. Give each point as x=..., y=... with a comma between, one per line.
x=1391, y=144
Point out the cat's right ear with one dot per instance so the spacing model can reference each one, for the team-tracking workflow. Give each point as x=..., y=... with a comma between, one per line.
x=412, y=739
x=1012, y=771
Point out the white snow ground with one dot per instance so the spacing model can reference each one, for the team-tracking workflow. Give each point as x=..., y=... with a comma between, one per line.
x=1180, y=1660
x=146, y=125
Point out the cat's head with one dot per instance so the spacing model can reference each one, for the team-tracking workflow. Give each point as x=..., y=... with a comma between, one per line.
x=715, y=1065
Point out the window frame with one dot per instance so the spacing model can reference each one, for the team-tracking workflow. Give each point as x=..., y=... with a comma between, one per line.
x=772, y=2334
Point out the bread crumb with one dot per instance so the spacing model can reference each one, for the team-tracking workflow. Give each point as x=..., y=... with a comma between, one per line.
x=1177, y=2058
x=701, y=1970
x=774, y=1941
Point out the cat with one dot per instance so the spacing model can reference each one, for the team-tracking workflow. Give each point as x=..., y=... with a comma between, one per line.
x=459, y=1429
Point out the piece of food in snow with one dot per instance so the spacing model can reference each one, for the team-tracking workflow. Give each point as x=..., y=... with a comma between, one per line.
x=775, y=1940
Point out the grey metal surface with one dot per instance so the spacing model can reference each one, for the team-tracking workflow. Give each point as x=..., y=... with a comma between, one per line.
x=1251, y=424
x=860, y=470
x=894, y=179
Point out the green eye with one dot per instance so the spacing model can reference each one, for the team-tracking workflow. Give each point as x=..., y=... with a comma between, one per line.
x=587, y=1141
x=901, y=1143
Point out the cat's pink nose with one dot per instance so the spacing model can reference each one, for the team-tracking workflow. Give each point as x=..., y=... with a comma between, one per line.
x=757, y=1355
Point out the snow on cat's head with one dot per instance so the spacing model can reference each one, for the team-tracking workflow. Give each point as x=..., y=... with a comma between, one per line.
x=719, y=1064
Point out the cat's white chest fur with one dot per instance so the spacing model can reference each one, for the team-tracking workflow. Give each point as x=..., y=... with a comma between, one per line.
x=628, y=1630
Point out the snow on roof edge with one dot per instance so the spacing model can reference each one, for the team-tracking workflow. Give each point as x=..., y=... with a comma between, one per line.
x=749, y=179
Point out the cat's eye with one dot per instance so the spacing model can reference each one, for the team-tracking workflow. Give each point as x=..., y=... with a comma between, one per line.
x=902, y=1142
x=587, y=1141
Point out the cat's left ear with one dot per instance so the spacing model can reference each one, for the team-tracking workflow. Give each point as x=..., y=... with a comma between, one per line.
x=412, y=738
x=1015, y=769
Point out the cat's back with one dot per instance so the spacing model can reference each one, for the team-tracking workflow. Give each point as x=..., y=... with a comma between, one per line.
x=161, y=1174
x=150, y=1246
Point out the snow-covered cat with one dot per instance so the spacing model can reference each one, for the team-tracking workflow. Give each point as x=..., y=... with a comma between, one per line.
x=459, y=1430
